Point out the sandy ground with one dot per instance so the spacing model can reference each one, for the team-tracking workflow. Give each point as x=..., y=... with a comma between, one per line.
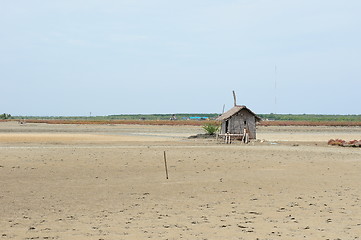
x=108, y=182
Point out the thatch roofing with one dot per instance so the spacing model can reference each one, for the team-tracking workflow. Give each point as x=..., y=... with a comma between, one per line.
x=234, y=111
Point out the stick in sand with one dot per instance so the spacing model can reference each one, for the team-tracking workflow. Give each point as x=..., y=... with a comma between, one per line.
x=165, y=164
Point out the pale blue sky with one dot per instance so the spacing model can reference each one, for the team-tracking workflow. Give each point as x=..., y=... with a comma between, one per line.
x=72, y=57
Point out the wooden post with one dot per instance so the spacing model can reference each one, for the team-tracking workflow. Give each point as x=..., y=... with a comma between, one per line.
x=228, y=138
x=245, y=138
x=165, y=164
x=234, y=98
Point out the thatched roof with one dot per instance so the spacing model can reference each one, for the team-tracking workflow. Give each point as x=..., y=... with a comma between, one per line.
x=234, y=111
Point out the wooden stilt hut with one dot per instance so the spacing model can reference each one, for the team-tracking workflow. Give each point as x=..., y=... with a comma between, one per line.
x=238, y=123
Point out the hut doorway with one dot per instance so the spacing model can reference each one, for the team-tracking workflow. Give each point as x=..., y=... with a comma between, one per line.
x=246, y=126
x=226, y=126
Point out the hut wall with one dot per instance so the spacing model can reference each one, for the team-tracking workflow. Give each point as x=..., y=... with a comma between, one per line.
x=251, y=126
x=235, y=124
x=223, y=127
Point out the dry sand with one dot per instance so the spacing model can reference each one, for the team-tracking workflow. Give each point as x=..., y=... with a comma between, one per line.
x=108, y=182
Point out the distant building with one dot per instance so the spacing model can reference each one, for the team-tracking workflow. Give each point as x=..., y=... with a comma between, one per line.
x=198, y=118
x=238, y=120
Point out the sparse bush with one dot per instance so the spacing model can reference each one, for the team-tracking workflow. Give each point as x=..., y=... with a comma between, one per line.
x=210, y=129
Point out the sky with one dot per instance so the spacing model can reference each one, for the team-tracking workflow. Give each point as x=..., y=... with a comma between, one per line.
x=105, y=57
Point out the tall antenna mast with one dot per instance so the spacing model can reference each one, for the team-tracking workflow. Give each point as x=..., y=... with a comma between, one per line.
x=275, y=88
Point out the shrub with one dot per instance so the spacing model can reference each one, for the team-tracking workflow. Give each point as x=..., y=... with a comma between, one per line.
x=210, y=129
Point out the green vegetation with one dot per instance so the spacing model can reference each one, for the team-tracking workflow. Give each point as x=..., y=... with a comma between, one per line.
x=210, y=129
x=5, y=116
x=310, y=117
x=185, y=116
x=179, y=116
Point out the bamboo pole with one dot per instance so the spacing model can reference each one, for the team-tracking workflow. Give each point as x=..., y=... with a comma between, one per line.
x=234, y=98
x=165, y=164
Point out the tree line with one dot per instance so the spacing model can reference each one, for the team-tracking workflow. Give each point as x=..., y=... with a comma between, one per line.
x=5, y=116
